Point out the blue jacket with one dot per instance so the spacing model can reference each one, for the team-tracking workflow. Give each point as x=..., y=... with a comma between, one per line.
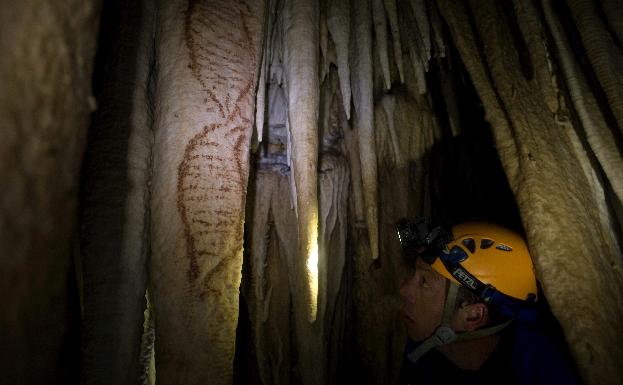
x=525, y=355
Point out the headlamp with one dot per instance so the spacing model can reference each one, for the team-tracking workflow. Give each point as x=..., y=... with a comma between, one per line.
x=417, y=234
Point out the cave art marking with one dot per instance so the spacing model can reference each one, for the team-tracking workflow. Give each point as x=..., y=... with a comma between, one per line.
x=212, y=176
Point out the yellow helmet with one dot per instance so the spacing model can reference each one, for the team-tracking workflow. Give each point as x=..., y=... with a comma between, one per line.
x=494, y=255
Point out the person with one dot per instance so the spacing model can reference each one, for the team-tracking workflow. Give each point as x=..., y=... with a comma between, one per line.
x=470, y=310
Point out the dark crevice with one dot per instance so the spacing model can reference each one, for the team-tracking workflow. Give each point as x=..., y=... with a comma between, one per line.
x=523, y=54
x=464, y=174
x=602, y=16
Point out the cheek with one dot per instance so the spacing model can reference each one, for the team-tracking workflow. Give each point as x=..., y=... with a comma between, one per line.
x=407, y=289
x=430, y=309
x=426, y=311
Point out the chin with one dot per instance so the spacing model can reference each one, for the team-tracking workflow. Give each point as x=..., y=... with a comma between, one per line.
x=417, y=336
x=415, y=333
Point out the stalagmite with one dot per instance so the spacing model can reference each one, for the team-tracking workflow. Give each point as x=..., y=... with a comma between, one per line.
x=208, y=61
x=300, y=28
x=273, y=246
x=361, y=67
x=392, y=15
x=380, y=32
x=338, y=22
x=598, y=134
x=334, y=188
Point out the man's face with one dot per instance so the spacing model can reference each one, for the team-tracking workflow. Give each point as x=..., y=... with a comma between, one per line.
x=423, y=298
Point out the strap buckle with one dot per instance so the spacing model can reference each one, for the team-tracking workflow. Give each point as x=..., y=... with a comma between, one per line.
x=444, y=335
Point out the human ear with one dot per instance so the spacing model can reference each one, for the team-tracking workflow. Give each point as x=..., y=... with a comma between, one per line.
x=473, y=316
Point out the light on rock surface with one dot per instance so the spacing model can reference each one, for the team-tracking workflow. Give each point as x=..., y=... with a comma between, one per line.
x=312, y=269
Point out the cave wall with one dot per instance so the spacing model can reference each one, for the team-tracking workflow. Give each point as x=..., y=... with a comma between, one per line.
x=48, y=50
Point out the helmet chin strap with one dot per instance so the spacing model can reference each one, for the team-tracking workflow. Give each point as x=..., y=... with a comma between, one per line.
x=445, y=334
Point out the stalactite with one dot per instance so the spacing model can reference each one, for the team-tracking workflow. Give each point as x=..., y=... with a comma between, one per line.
x=338, y=22
x=613, y=12
x=418, y=7
x=324, y=42
x=417, y=65
x=392, y=15
x=535, y=62
x=276, y=52
x=450, y=100
x=598, y=134
x=351, y=147
x=260, y=100
x=327, y=112
x=274, y=250
x=605, y=56
x=382, y=139
x=455, y=16
x=361, y=64
x=379, y=286
x=435, y=23
x=300, y=28
x=430, y=135
x=388, y=102
x=290, y=163
x=380, y=32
